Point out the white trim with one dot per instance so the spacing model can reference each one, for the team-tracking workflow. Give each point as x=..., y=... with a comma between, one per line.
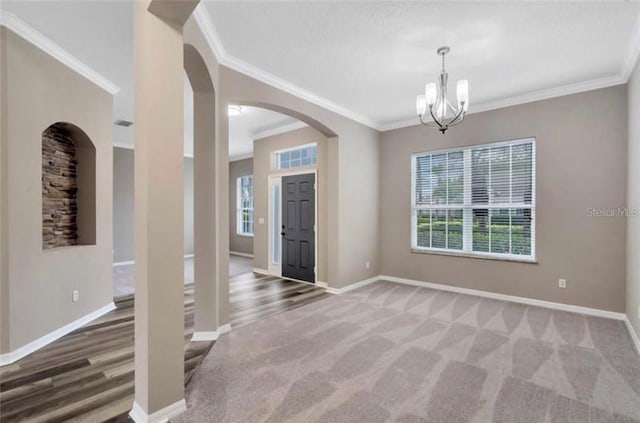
x=563, y=90
x=17, y=354
x=17, y=25
x=204, y=336
x=131, y=262
x=521, y=300
x=261, y=271
x=352, y=286
x=278, y=130
x=127, y=146
x=633, y=51
x=138, y=414
x=235, y=253
x=634, y=336
x=224, y=329
x=321, y=284
x=241, y=157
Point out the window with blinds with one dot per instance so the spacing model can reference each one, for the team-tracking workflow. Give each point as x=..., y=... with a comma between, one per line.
x=244, y=199
x=476, y=201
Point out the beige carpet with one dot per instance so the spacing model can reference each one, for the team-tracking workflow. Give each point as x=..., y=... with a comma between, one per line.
x=390, y=352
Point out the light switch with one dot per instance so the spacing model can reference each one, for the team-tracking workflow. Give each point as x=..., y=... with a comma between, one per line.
x=261, y=220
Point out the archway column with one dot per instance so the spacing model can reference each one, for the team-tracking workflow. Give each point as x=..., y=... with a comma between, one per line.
x=159, y=209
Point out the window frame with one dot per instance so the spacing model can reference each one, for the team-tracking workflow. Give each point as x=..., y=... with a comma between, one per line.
x=276, y=157
x=467, y=205
x=240, y=209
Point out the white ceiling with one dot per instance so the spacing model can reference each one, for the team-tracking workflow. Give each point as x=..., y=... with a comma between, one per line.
x=100, y=34
x=373, y=58
x=368, y=60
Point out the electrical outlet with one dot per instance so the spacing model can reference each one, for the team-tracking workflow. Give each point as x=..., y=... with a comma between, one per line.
x=367, y=265
x=639, y=312
x=75, y=296
x=562, y=283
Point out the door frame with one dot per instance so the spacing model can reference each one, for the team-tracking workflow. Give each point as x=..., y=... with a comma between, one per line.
x=276, y=270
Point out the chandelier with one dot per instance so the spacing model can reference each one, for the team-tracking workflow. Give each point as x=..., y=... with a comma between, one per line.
x=443, y=114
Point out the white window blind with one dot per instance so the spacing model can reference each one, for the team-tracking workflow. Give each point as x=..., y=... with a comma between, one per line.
x=244, y=199
x=476, y=201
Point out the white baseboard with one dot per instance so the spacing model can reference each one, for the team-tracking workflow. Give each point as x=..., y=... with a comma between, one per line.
x=521, y=300
x=138, y=414
x=634, y=336
x=15, y=355
x=322, y=284
x=352, y=286
x=236, y=253
x=261, y=271
x=130, y=262
x=211, y=335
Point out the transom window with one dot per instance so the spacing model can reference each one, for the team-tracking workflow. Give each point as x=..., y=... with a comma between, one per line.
x=244, y=199
x=476, y=201
x=307, y=155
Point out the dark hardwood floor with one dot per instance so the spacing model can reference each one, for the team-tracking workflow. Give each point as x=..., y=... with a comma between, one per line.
x=87, y=375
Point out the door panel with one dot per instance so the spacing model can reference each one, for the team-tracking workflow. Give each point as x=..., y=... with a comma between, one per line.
x=298, y=222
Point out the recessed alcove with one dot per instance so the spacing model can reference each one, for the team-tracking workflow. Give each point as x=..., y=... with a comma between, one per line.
x=68, y=187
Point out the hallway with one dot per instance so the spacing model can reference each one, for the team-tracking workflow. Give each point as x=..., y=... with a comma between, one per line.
x=88, y=374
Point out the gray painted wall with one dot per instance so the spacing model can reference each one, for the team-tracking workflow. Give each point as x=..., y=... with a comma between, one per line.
x=633, y=199
x=238, y=243
x=581, y=146
x=123, y=221
x=37, y=285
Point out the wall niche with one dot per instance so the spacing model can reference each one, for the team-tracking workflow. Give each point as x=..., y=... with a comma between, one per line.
x=68, y=187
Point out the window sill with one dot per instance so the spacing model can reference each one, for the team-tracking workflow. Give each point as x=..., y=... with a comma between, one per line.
x=525, y=260
x=245, y=235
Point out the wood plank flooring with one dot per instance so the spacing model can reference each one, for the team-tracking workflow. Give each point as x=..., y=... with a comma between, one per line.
x=87, y=376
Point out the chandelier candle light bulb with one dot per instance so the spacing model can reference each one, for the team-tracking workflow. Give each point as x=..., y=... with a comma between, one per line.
x=437, y=99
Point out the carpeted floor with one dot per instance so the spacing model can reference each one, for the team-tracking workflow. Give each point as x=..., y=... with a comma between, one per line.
x=390, y=352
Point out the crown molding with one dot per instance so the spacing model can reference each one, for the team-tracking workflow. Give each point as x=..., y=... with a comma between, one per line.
x=278, y=130
x=240, y=157
x=546, y=94
x=224, y=58
x=17, y=25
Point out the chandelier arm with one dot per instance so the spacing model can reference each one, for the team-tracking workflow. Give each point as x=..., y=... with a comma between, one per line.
x=427, y=124
x=457, y=118
x=434, y=117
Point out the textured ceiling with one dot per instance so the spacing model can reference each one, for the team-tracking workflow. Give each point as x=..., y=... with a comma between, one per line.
x=372, y=58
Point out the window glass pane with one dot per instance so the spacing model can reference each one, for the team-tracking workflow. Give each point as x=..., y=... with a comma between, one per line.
x=521, y=164
x=295, y=154
x=521, y=231
x=439, y=179
x=276, y=225
x=423, y=227
x=295, y=163
x=480, y=230
x=454, y=230
x=284, y=164
x=500, y=231
x=439, y=229
x=306, y=161
x=456, y=177
x=423, y=180
x=500, y=183
x=480, y=176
